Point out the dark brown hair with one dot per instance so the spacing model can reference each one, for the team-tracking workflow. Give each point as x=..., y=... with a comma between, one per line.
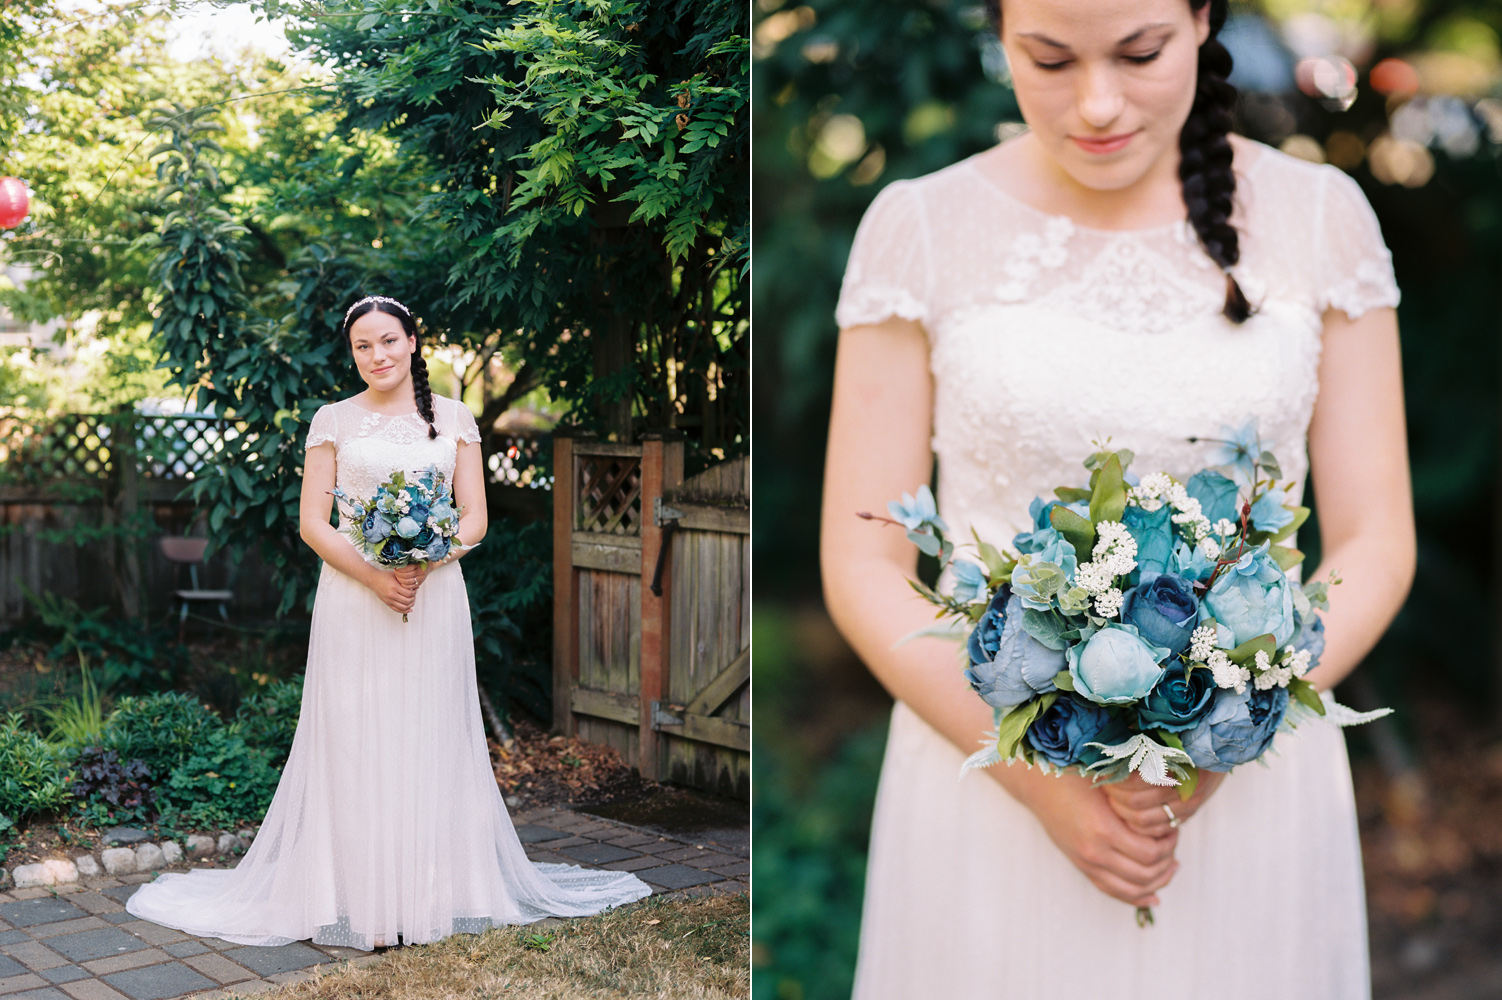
x=1205, y=154
x=391, y=307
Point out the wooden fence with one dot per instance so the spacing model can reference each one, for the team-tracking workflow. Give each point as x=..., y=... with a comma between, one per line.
x=84, y=496
x=651, y=636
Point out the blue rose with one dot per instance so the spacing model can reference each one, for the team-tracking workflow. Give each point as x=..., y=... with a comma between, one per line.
x=1153, y=532
x=424, y=537
x=1008, y=666
x=407, y=528
x=1179, y=700
x=438, y=548
x=1164, y=610
x=375, y=527
x=1115, y=666
x=1253, y=598
x=1116, y=731
x=1236, y=729
x=1059, y=735
x=418, y=512
x=1216, y=494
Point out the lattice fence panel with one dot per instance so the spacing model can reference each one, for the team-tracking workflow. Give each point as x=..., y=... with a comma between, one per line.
x=609, y=500
x=36, y=448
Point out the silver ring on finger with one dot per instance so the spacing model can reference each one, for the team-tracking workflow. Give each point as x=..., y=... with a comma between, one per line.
x=1173, y=821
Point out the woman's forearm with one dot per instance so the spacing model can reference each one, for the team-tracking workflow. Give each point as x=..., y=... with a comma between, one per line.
x=1375, y=576
x=336, y=550
x=873, y=606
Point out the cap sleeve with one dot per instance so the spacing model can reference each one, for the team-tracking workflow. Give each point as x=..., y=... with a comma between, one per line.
x=1354, y=264
x=465, y=428
x=887, y=273
x=324, y=428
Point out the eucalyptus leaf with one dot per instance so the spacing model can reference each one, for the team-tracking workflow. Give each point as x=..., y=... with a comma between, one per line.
x=1286, y=556
x=1108, y=502
x=1306, y=693
x=1046, y=627
x=1300, y=515
x=1247, y=651
x=1072, y=494
x=1014, y=725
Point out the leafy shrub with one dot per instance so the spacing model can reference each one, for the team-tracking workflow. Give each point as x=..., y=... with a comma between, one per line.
x=31, y=772
x=222, y=782
x=268, y=718
x=121, y=787
x=161, y=730
x=128, y=653
x=510, y=583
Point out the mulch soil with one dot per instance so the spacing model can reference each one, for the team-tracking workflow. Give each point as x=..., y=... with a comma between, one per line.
x=536, y=769
x=1432, y=847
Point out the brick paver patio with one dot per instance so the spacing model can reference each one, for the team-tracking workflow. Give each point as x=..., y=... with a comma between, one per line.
x=76, y=942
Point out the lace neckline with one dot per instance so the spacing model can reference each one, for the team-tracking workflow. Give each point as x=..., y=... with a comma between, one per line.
x=1176, y=228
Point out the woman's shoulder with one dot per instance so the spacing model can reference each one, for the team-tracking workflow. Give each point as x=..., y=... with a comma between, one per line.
x=1291, y=183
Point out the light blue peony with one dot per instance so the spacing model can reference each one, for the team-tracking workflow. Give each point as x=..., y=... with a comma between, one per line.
x=376, y=527
x=1191, y=562
x=1269, y=514
x=1253, y=598
x=1043, y=530
x=1008, y=666
x=408, y=528
x=437, y=548
x=1115, y=666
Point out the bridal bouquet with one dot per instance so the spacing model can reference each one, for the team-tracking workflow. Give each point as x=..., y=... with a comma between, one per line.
x=1144, y=625
x=404, y=523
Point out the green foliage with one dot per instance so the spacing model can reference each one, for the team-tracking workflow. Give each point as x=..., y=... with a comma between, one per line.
x=161, y=730
x=268, y=718
x=32, y=772
x=510, y=583
x=589, y=207
x=810, y=842
x=224, y=781
x=128, y=653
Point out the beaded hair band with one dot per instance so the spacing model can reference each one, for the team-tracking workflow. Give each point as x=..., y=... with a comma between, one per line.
x=376, y=298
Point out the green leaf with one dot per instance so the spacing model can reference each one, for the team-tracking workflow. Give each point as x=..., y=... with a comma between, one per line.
x=1286, y=556
x=1076, y=531
x=1248, y=650
x=1063, y=680
x=1108, y=502
x=1300, y=515
x=1014, y=725
x=1190, y=783
x=1071, y=494
x=367, y=22
x=1045, y=626
x=1305, y=692
x=927, y=543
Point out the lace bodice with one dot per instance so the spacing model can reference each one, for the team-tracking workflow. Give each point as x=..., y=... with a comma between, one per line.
x=1045, y=335
x=370, y=446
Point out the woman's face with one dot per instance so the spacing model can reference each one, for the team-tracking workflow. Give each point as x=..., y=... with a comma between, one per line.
x=382, y=350
x=1105, y=85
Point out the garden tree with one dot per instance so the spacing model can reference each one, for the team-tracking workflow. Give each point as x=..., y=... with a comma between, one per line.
x=590, y=201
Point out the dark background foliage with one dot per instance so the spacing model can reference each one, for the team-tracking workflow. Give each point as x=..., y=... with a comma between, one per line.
x=851, y=96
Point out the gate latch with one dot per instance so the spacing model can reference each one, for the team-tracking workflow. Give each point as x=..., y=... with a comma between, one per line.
x=661, y=717
x=662, y=513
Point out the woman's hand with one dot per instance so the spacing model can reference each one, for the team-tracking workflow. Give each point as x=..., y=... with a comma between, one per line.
x=395, y=589
x=1140, y=805
x=1122, y=862
x=413, y=575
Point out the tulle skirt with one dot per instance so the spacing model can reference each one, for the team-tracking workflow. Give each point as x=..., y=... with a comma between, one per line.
x=967, y=898
x=387, y=820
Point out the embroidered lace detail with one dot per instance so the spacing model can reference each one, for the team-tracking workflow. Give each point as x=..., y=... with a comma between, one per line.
x=369, y=446
x=1045, y=336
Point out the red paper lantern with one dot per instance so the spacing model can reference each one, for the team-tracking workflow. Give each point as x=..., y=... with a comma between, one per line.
x=14, y=202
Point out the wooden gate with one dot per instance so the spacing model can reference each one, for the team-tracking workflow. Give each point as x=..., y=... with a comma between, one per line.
x=651, y=574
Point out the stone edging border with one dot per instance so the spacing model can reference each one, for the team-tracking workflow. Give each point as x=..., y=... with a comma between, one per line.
x=145, y=856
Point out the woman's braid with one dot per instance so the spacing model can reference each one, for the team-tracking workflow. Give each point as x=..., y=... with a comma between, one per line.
x=421, y=391
x=1205, y=162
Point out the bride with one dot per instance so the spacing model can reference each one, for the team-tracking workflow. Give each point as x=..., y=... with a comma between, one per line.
x=1124, y=268
x=387, y=824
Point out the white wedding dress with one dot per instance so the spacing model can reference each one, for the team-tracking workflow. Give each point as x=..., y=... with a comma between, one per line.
x=1045, y=336
x=387, y=820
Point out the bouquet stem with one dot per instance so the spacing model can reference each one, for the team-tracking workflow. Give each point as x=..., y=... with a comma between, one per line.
x=1144, y=916
x=404, y=617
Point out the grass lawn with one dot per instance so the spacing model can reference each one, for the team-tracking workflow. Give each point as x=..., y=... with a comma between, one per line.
x=689, y=948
